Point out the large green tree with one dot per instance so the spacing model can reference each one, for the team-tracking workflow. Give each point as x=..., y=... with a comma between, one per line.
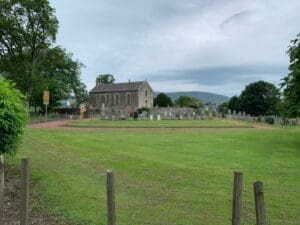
x=260, y=98
x=187, y=101
x=28, y=30
x=163, y=100
x=59, y=74
x=291, y=83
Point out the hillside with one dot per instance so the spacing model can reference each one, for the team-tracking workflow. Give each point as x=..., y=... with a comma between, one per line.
x=202, y=96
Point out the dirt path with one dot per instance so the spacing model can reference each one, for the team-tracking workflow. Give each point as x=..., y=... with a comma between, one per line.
x=49, y=125
x=62, y=125
x=255, y=125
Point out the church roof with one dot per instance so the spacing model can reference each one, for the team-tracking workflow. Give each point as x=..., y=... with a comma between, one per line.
x=117, y=87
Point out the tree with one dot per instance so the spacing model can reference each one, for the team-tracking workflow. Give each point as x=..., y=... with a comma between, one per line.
x=59, y=74
x=260, y=98
x=291, y=83
x=12, y=117
x=191, y=102
x=105, y=79
x=27, y=57
x=223, y=107
x=28, y=28
x=234, y=103
x=163, y=100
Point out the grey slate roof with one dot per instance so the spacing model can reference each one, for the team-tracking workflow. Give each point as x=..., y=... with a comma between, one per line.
x=117, y=87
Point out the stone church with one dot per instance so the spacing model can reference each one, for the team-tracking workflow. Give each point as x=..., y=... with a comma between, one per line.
x=127, y=97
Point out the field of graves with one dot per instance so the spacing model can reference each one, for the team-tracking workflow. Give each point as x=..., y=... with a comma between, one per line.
x=167, y=176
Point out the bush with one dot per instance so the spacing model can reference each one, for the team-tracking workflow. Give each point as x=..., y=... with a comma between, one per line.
x=12, y=117
x=270, y=120
x=143, y=109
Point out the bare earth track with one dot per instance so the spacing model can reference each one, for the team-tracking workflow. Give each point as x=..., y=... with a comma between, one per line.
x=63, y=125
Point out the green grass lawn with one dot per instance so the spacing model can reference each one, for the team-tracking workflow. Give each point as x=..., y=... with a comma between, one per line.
x=217, y=123
x=165, y=177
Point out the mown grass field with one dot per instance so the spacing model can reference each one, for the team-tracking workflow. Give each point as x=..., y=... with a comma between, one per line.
x=167, y=176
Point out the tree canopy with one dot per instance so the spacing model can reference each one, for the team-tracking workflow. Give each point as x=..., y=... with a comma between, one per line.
x=260, y=98
x=12, y=117
x=105, y=79
x=223, y=107
x=163, y=100
x=291, y=83
x=27, y=56
x=234, y=103
x=191, y=102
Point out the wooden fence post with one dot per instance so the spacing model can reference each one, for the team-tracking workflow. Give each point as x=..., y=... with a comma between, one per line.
x=259, y=203
x=24, y=192
x=1, y=189
x=110, y=191
x=237, y=198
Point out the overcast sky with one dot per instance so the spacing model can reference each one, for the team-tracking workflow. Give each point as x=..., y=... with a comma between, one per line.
x=180, y=45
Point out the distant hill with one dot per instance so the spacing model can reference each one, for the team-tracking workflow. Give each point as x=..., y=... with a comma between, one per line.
x=204, y=97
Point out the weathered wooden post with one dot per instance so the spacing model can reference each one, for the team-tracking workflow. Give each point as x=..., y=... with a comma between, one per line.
x=259, y=203
x=237, y=198
x=2, y=189
x=110, y=192
x=24, y=192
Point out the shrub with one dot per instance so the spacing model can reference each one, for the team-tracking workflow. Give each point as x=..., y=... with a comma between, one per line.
x=12, y=117
x=270, y=120
x=143, y=109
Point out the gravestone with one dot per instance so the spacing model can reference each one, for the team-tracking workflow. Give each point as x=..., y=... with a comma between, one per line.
x=158, y=117
x=151, y=117
x=239, y=114
x=165, y=114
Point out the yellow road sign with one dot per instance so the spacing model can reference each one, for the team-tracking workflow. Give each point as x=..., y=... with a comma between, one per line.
x=46, y=97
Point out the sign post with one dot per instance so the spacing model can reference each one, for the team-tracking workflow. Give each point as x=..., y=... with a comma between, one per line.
x=46, y=102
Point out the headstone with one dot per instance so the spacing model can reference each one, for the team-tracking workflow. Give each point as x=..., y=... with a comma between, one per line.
x=229, y=113
x=144, y=114
x=276, y=120
x=165, y=114
x=239, y=114
x=158, y=117
x=151, y=117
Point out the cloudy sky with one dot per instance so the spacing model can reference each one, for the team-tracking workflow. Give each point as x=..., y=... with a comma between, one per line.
x=180, y=45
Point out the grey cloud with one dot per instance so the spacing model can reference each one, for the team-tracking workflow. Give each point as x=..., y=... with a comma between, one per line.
x=208, y=44
x=221, y=75
x=236, y=17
